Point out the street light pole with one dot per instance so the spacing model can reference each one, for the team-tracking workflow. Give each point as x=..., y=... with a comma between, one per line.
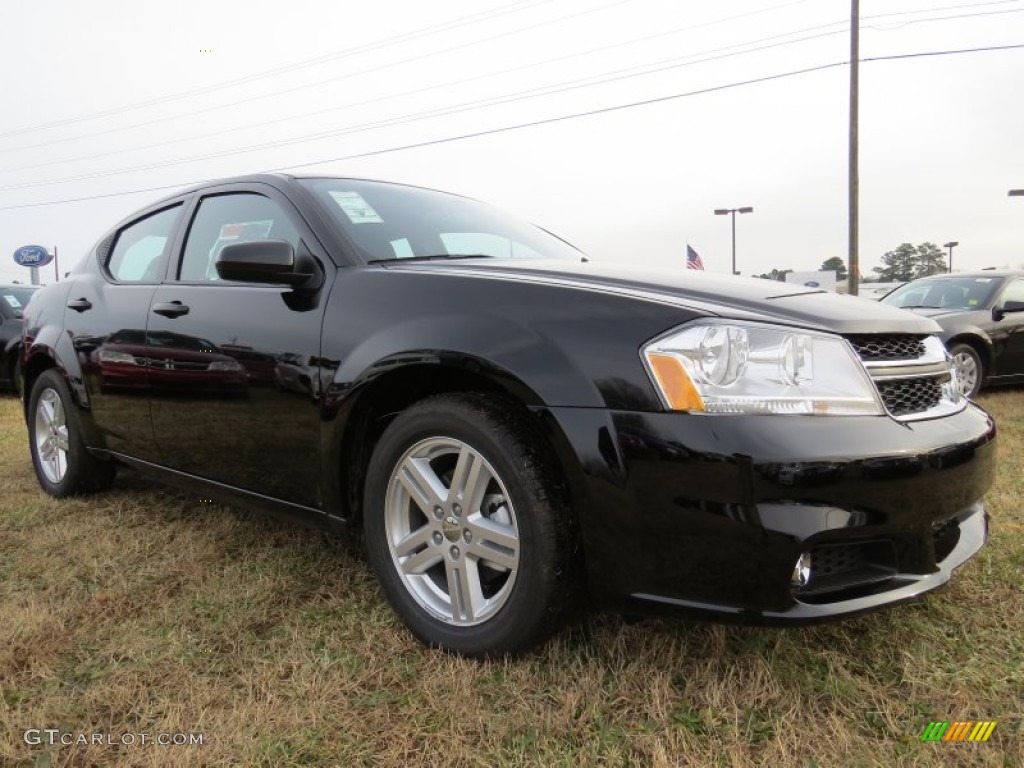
x=951, y=245
x=732, y=212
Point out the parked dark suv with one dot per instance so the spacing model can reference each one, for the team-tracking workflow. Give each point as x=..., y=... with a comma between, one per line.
x=510, y=427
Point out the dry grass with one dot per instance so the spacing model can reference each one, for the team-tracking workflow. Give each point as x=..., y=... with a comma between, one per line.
x=143, y=611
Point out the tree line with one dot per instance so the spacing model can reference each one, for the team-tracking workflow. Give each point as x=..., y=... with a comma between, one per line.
x=900, y=265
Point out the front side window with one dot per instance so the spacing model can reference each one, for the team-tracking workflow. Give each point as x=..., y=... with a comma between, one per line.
x=1014, y=292
x=390, y=222
x=139, y=253
x=223, y=220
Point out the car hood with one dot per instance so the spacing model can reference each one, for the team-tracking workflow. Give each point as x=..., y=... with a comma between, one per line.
x=724, y=295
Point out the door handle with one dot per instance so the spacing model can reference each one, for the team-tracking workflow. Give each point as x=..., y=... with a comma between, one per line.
x=80, y=305
x=170, y=309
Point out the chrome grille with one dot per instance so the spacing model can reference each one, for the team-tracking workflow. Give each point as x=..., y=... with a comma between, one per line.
x=911, y=372
x=906, y=396
x=902, y=346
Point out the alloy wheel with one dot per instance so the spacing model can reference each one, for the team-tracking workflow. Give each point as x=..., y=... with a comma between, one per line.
x=966, y=372
x=452, y=531
x=51, y=436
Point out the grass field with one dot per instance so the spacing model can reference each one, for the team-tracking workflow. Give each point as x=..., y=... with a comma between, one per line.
x=141, y=611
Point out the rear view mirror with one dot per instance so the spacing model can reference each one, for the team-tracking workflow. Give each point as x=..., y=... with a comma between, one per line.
x=269, y=262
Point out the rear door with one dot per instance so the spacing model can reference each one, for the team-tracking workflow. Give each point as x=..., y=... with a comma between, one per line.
x=1009, y=332
x=227, y=405
x=107, y=309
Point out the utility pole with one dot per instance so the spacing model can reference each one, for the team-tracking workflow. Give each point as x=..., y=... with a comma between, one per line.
x=854, y=181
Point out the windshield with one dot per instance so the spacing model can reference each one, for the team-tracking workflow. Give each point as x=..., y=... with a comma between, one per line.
x=389, y=222
x=15, y=298
x=953, y=293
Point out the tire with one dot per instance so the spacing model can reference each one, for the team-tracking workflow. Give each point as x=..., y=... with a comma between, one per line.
x=970, y=369
x=64, y=467
x=494, y=578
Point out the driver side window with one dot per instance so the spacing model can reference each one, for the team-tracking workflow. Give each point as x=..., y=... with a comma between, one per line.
x=226, y=219
x=1013, y=292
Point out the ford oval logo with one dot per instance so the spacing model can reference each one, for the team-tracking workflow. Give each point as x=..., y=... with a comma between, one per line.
x=32, y=256
x=812, y=284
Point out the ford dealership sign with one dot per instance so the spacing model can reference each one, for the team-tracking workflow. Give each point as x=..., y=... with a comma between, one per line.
x=32, y=256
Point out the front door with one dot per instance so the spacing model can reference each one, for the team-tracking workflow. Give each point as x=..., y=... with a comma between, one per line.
x=235, y=390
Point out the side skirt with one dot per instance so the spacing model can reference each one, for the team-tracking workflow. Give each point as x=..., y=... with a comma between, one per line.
x=238, y=497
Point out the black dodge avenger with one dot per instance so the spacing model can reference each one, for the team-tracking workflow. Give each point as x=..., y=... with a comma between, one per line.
x=510, y=429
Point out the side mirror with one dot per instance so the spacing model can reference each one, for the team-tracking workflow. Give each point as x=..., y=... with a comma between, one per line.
x=1008, y=307
x=270, y=262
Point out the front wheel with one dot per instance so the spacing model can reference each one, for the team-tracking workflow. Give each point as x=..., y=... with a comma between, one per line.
x=970, y=372
x=63, y=465
x=467, y=529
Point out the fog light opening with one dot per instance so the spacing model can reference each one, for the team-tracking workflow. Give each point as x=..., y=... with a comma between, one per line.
x=802, y=570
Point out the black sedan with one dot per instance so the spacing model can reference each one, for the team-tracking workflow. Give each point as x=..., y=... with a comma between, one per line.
x=982, y=320
x=509, y=427
x=13, y=299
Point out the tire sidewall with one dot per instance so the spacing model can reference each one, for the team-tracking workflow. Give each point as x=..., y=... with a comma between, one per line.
x=522, y=614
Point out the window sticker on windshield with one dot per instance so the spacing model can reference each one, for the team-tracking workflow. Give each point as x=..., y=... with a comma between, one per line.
x=983, y=279
x=356, y=208
x=12, y=301
x=972, y=302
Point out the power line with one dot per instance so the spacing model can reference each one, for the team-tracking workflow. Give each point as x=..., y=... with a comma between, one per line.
x=368, y=70
x=545, y=121
x=447, y=84
x=587, y=82
x=644, y=102
x=377, y=99
x=591, y=81
x=462, y=21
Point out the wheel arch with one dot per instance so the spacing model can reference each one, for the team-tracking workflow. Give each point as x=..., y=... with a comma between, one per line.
x=377, y=399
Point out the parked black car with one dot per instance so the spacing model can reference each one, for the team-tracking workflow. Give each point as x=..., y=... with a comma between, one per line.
x=510, y=427
x=13, y=299
x=982, y=320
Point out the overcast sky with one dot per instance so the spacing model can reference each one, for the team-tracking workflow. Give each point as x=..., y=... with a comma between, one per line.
x=103, y=99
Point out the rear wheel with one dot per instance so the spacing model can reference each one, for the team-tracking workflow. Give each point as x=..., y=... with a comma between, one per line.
x=466, y=528
x=969, y=369
x=63, y=465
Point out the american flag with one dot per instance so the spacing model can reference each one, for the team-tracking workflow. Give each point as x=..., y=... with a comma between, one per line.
x=692, y=259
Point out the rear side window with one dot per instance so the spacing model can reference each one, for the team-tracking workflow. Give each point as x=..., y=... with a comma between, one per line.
x=1014, y=292
x=226, y=219
x=139, y=254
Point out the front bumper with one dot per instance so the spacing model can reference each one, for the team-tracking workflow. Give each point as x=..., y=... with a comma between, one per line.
x=709, y=514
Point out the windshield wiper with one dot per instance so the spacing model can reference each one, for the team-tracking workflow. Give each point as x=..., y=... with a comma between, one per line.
x=922, y=306
x=433, y=257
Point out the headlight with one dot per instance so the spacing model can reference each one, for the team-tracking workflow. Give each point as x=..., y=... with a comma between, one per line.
x=225, y=365
x=112, y=356
x=732, y=367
